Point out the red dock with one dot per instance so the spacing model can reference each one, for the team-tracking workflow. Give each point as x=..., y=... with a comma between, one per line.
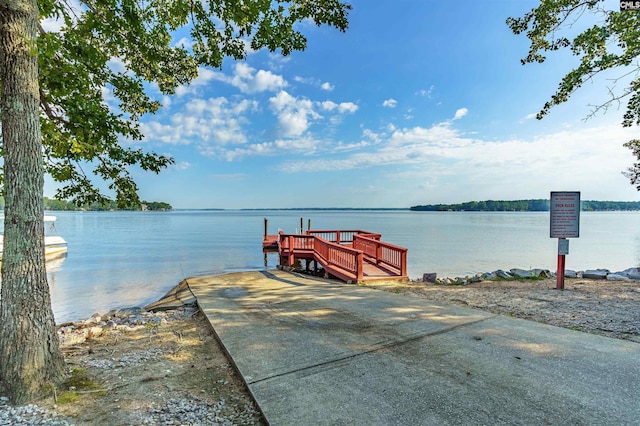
x=349, y=255
x=270, y=243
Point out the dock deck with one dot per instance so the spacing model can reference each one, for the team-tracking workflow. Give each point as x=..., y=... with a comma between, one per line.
x=349, y=255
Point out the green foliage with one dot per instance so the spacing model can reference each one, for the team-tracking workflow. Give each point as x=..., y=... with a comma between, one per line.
x=82, y=135
x=79, y=381
x=67, y=397
x=61, y=205
x=488, y=206
x=527, y=206
x=157, y=206
x=613, y=43
x=79, y=378
x=633, y=172
x=610, y=205
x=50, y=204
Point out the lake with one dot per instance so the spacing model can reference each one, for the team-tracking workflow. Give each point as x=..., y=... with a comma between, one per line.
x=119, y=259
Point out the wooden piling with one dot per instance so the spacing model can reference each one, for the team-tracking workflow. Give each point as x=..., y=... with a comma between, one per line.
x=266, y=226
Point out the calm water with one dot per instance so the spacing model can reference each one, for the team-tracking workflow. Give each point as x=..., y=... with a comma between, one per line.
x=131, y=258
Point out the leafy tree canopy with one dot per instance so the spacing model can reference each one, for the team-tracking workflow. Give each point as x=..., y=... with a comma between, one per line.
x=82, y=135
x=613, y=42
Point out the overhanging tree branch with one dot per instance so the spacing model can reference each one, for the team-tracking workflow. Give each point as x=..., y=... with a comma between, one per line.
x=612, y=43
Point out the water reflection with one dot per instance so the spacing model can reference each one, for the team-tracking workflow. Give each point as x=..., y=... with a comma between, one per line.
x=54, y=264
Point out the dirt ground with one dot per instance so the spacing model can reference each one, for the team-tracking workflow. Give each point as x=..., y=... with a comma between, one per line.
x=174, y=371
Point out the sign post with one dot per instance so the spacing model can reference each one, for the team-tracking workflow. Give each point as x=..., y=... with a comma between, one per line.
x=565, y=223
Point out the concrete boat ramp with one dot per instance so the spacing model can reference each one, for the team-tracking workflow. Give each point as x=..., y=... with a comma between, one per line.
x=320, y=352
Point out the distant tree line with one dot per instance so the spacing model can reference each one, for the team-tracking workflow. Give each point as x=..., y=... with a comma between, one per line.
x=525, y=206
x=53, y=204
x=609, y=205
x=156, y=206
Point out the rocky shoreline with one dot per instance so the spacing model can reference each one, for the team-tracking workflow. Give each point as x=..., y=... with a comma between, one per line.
x=628, y=274
x=124, y=320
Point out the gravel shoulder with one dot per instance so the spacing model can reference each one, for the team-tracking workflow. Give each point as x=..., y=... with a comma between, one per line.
x=165, y=368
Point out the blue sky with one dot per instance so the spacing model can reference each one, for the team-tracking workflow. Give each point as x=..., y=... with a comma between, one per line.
x=419, y=102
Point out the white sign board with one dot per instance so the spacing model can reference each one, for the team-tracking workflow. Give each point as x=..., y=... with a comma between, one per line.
x=563, y=246
x=565, y=214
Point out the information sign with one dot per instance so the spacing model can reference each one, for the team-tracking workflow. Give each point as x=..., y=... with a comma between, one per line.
x=565, y=215
x=563, y=246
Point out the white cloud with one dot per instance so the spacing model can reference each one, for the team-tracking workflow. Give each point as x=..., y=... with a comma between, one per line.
x=265, y=81
x=293, y=114
x=183, y=165
x=184, y=42
x=314, y=82
x=460, y=113
x=349, y=107
x=390, y=103
x=107, y=95
x=157, y=132
x=302, y=146
x=406, y=146
x=204, y=122
x=276, y=60
x=205, y=75
x=116, y=65
x=342, y=147
x=54, y=25
x=371, y=135
x=343, y=107
x=441, y=155
x=327, y=86
x=247, y=79
x=329, y=105
x=527, y=118
x=426, y=92
x=304, y=80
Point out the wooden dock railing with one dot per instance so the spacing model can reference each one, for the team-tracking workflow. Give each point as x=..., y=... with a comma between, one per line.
x=336, y=236
x=345, y=253
x=383, y=253
x=340, y=259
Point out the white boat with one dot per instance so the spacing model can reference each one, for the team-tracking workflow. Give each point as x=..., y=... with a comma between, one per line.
x=54, y=245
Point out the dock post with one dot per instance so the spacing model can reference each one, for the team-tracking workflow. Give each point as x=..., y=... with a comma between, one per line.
x=290, y=247
x=308, y=224
x=266, y=225
x=302, y=225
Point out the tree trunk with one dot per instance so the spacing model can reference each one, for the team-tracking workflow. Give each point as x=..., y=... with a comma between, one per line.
x=30, y=355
